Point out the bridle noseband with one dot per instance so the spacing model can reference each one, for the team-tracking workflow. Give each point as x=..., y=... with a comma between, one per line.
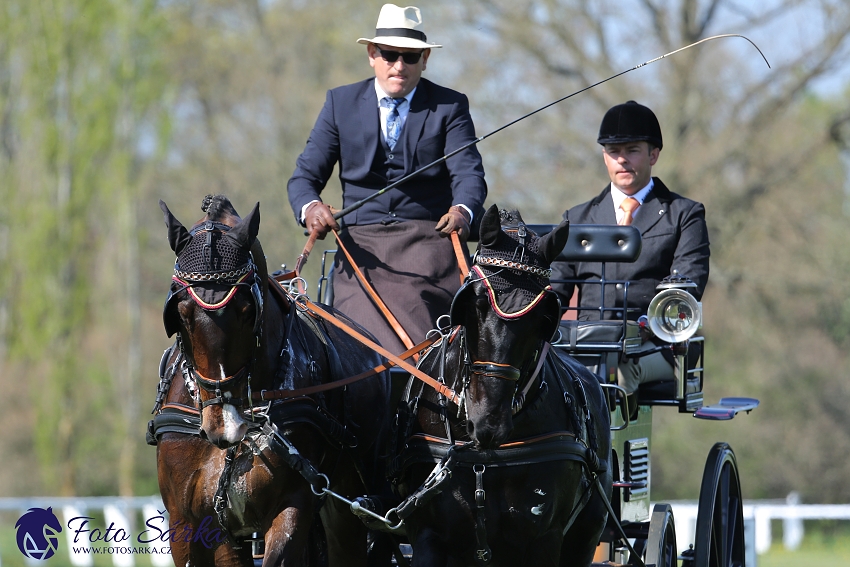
x=215, y=386
x=496, y=370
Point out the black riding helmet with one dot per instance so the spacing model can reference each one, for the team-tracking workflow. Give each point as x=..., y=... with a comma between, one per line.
x=630, y=122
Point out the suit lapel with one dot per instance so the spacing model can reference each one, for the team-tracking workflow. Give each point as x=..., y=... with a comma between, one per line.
x=651, y=212
x=370, y=120
x=414, y=124
x=603, y=208
x=654, y=208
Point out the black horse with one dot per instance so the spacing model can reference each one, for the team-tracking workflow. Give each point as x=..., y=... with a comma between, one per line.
x=229, y=460
x=507, y=476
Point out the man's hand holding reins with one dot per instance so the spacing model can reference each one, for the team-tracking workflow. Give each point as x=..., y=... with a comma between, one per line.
x=456, y=220
x=319, y=218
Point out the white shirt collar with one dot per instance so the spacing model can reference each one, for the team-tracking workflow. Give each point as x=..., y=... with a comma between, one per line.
x=618, y=196
x=381, y=94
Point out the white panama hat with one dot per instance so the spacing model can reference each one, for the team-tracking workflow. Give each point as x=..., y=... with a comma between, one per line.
x=397, y=28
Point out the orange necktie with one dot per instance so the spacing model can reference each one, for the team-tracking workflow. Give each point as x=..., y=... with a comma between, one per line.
x=629, y=206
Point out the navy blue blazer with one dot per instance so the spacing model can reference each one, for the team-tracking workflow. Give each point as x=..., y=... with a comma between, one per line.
x=674, y=236
x=347, y=131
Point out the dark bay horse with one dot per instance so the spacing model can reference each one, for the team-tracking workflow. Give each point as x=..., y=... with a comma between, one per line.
x=230, y=462
x=506, y=476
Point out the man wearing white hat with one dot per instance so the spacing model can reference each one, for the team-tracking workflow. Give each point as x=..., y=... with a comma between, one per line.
x=380, y=130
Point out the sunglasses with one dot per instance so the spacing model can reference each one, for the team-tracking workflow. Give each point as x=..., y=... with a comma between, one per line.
x=410, y=58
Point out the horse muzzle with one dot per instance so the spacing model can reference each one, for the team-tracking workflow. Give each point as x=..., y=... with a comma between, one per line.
x=223, y=426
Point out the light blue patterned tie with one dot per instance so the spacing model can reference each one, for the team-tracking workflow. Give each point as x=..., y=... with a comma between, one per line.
x=393, y=119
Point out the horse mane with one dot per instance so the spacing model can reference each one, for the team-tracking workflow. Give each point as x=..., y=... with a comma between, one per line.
x=218, y=207
x=509, y=217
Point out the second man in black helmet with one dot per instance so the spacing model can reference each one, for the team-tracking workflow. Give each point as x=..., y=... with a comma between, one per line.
x=673, y=233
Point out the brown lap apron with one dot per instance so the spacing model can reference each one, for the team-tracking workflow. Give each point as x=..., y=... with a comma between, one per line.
x=412, y=268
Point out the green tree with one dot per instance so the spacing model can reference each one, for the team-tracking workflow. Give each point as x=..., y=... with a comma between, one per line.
x=79, y=80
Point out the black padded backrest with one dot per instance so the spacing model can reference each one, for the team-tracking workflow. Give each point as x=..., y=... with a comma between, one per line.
x=597, y=242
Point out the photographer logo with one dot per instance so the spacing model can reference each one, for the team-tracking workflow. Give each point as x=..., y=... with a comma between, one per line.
x=37, y=533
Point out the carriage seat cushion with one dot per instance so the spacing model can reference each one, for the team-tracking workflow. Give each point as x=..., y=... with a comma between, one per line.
x=577, y=332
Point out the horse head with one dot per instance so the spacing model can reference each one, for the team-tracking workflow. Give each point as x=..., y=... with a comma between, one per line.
x=509, y=313
x=216, y=306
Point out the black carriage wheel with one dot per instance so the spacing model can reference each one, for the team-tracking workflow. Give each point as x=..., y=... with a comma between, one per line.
x=719, y=538
x=661, y=540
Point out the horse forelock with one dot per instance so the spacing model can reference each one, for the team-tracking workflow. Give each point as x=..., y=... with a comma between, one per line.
x=220, y=209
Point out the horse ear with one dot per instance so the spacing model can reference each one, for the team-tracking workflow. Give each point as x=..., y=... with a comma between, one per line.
x=245, y=233
x=491, y=226
x=551, y=245
x=178, y=236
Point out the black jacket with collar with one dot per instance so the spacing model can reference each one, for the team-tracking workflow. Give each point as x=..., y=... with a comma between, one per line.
x=674, y=236
x=348, y=133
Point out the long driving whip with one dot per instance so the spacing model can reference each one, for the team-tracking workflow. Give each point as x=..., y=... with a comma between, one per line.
x=354, y=206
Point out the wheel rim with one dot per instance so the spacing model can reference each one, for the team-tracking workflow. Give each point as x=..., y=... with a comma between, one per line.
x=719, y=540
x=661, y=540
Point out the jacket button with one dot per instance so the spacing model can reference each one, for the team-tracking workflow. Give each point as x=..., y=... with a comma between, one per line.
x=390, y=156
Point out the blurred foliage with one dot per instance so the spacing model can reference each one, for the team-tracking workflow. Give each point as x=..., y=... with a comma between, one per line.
x=107, y=106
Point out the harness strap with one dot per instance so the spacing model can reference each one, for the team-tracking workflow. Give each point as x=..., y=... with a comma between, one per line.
x=275, y=284
x=290, y=455
x=379, y=303
x=306, y=411
x=555, y=446
x=519, y=399
x=221, y=498
x=265, y=395
x=173, y=418
x=302, y=259
x=440, y=388
x=483, y=553
x=462, y=256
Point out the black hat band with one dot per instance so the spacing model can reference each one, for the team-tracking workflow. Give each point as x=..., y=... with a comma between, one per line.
x=400, y=32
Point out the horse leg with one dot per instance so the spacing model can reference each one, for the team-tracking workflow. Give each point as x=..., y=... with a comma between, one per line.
x=381, y=548
x=287, y=537
x=179, y=547
x=544, y=551
x=429, y=550
x=346, y=535
x=581, y=539
x=226, y=556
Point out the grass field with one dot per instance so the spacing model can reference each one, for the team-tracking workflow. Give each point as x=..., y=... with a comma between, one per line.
x=825, y=544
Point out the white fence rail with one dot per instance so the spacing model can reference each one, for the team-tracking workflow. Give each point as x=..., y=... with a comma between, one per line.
x=100, y=528
x=758, y=517
x=134, y=517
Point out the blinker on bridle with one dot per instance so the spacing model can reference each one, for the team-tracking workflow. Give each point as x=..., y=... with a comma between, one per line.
x=235, y=278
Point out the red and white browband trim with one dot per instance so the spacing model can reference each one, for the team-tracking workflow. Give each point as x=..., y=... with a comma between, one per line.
x=491, y=294
x=188, y=286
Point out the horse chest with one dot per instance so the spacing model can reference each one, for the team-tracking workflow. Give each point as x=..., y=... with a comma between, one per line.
x=244, y=509
x=537, y=502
